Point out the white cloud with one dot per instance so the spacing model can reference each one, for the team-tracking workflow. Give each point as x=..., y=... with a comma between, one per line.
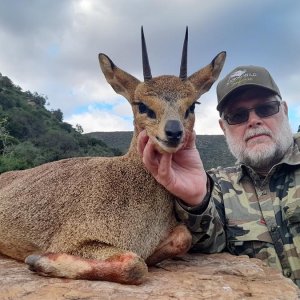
x=52, y=46
x=207, y=117
x=123, y=109
x=97, y=120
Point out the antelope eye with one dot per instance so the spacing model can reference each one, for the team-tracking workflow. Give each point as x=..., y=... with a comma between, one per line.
x=191, y=109
x=151, y=114
x=144, y=109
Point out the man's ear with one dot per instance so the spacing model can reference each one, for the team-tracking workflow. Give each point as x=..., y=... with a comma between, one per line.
x=285, y=108
x=222, y=125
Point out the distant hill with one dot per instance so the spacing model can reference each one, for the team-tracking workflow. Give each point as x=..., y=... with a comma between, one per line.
x=213, y=148
x=31, y=135
x=121, y=139
x=214, y=151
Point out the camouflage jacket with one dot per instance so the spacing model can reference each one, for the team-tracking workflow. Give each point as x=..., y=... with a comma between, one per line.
x=248, y=215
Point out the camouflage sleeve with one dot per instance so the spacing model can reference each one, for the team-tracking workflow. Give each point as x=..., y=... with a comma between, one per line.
x=205, y=221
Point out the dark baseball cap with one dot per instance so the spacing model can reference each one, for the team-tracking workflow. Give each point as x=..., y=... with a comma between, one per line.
x=242, y=78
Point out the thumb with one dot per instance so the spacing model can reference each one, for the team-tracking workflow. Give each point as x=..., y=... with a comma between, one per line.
x=191, y=140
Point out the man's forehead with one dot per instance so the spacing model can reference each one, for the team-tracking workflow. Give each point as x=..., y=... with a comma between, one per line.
x=246, y=96
x=254, y=92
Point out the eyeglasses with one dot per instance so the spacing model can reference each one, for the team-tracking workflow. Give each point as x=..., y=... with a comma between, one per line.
x=241, y=115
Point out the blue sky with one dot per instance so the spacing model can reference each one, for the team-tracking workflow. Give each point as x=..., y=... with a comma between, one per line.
x=51, y=47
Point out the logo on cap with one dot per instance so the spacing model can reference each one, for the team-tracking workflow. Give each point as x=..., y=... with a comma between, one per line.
x=240, y=77
x=237, y=73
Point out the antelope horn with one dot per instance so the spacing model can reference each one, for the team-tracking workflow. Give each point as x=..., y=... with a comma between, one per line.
x=146, y=66
x=183, y=66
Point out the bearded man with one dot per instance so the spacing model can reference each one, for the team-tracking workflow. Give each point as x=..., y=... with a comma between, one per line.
x=252, y=208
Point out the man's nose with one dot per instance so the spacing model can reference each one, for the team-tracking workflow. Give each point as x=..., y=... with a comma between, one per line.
x=254, y=119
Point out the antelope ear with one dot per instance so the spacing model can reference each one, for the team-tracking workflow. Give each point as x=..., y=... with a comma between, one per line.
x=203, y=79
x=122, y=82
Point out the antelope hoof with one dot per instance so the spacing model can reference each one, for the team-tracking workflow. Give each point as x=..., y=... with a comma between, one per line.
x=31, y=261
x=37, y=264
x=133, y=269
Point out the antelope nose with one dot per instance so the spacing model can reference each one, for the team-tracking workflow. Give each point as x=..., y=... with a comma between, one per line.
x=173, y=130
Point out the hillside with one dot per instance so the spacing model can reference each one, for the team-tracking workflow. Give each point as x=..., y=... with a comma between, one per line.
x=213, y=148
x=31, y=135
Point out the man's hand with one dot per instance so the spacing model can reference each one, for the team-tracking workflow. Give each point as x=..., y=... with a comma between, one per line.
x=181, y=173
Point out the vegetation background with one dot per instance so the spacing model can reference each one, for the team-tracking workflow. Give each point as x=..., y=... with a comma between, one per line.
x=31, y=135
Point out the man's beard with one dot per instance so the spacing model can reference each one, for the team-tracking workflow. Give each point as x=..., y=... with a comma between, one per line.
x=262, y=156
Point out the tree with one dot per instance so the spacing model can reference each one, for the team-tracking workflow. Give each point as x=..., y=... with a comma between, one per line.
x=58, y=115
x=38, y=99
x=5, y=82
x=5, y=137
x=79, y=128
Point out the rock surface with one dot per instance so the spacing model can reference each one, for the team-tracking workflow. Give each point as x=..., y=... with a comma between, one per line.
x=216, y=276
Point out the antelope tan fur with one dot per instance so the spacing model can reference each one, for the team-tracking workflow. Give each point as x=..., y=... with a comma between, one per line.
x=105, y=218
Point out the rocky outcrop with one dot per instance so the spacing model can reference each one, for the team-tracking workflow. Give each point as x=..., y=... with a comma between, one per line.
x=216, y=276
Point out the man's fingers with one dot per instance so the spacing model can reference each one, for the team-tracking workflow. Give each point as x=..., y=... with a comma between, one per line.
x=165, y=171
x=142, y=141
x=151, y=158
x=159, y=165
x=165, y=164
x=147, y=151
